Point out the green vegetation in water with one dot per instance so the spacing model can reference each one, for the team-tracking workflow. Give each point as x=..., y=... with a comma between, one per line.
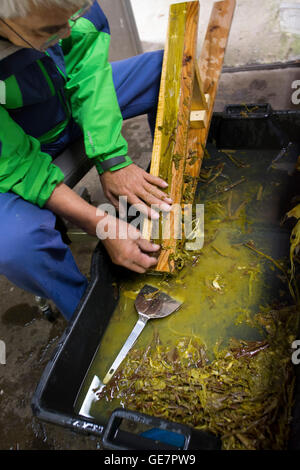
x=244, y=395
x=238, y=163
x=223, y=361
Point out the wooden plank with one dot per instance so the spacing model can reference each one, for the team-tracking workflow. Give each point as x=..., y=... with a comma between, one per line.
x=212, y=56
x=210, y=66
x=205, y=76
x=174, y=109
x=199, y=103
x=199, y=100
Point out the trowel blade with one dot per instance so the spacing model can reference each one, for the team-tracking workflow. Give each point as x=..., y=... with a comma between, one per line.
x=91, y=397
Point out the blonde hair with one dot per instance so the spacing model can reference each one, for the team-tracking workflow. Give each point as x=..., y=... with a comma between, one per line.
x=17, y=8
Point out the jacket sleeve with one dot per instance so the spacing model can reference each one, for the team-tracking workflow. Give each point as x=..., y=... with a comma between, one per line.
x=92, y=95
x=24, y=169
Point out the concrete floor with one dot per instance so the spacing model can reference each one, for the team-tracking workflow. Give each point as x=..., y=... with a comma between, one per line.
x=30, y=339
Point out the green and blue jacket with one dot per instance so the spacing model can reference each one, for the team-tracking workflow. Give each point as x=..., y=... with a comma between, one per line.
x=47, y=98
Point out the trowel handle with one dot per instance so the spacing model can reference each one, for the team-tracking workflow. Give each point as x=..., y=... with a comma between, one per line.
x=140, y=325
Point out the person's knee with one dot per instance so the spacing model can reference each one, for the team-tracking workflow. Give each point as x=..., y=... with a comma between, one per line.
x=159, y=57
x=16, y=248
x=24, y=231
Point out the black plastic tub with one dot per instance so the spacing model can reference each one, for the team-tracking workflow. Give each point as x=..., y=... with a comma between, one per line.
x=252, y=127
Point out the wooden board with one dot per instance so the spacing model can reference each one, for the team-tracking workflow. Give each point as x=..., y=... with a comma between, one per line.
x=210, y=66
x=179, y=160
x=173, y=119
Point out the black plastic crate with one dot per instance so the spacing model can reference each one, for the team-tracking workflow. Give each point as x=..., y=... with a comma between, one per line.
x=62, y=379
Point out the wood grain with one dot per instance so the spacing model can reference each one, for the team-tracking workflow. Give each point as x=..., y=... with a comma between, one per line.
x=175, y=101
x=210, y=66
x=165, y=263
x=178, y=146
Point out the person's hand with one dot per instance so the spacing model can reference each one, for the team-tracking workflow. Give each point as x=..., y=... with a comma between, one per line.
x=140, y=188
x=122, y=241
x=125, y=245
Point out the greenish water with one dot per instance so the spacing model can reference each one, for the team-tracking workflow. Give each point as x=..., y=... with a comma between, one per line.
x=226, y=283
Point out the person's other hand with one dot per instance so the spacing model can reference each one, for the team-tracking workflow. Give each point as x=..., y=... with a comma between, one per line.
x=125, y=245
x=140, y=188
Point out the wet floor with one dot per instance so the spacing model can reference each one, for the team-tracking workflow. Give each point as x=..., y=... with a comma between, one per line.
x=31, y=339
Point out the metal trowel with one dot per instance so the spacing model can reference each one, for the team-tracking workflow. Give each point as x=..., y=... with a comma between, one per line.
x=150, y=303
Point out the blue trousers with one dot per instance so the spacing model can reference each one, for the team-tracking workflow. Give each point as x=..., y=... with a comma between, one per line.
x=32, y=253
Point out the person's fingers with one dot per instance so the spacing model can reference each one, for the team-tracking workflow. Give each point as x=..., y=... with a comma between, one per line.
x=131, y=265
x=147, y=246
x=144, y=261
x=157, y=193
x=132, y=254
x=156, y=181
x=137, y=269
x=135, y=257
x=154, y=201
x=113, y=200
x=142, y=207
x=140, y=256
